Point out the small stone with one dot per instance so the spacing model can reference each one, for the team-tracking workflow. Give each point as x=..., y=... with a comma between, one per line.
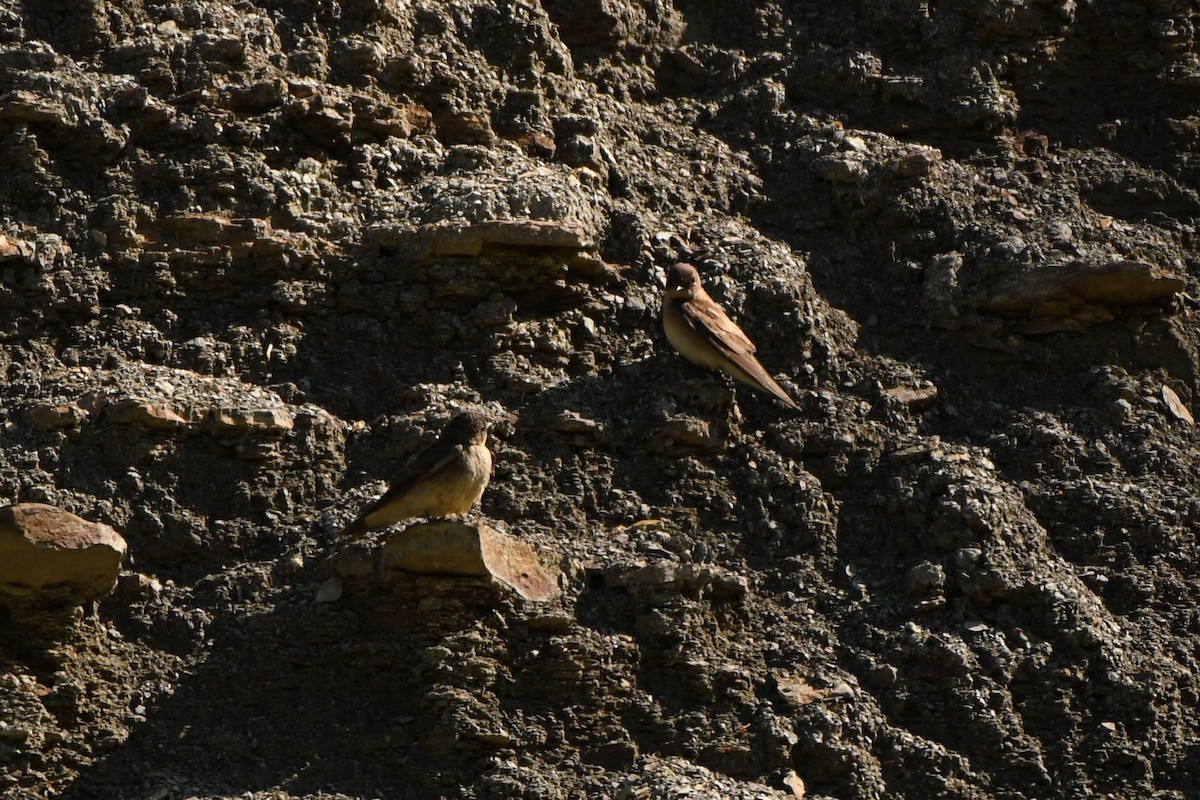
x=330, y=591
x=796, y=692
x=464, y=127
x=13, y=734
x=839, y=169
x=925, y=578
x=914, y=397
x=918, y=164
x=688, y=432
x=1119, y=409
x=56, y=558
x=965, y=558
x=793, y=782
x=135, y=585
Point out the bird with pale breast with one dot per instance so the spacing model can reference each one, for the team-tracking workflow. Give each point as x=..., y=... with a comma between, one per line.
x=447, y=477
x=702, y=333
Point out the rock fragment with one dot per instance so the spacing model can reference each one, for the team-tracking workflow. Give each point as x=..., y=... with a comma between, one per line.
x=53, y=557
x=1176, y=407
x=1082, y=292
x=53, y=416
x=470, y=550
x=158, y=416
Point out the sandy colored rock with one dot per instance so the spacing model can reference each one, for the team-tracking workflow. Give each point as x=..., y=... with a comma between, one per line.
x=52, y=416
x=474, y=550
x=158, y=416
x=1176, y=406
x=1072, y=290
x=915, y=397
x=55, y=556
x=230, y=420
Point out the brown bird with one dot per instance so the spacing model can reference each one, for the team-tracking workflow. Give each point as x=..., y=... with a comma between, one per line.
x=447, y=477
x=702, y=333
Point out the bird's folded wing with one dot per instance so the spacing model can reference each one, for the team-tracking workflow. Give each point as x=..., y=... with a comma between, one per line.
x=724, y=334
x=427, y=462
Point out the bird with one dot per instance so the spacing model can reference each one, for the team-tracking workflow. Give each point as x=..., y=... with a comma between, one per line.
x=702, y=333
x=447, y=477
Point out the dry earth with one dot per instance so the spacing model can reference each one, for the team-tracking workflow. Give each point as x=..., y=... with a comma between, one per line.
x=254, y=252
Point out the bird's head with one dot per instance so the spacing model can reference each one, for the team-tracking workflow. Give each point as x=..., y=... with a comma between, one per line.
x=683, y=281
x=468, y=427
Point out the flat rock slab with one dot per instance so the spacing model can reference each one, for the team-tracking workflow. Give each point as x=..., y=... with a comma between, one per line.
x=1074, y=290
x=54, y=557
x=461, y=549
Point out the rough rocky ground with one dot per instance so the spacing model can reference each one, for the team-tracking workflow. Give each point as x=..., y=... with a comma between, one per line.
x=252, y=254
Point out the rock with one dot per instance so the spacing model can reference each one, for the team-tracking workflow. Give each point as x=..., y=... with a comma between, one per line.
x=158, y=416
x=795, y=691
x=16, y=249
x=264, y=420
x=53, y=416
x=1174, y=405
x=470, y=550
x=925, y=578
x=612, y=755
x=580, y=428
x=915, y=397
x=56, y=557
x=202, y=229
x=793, y=782
x=918, y=164
x=688, y=432
x=464, y=127
x=838, y=168
x=671, y=577
x=1080, y=290
x=330, y=591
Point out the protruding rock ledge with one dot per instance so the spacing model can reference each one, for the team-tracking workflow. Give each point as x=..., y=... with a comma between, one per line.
x=1082, y=292
x=441, y=239
x=470, y=550
x=52, y=557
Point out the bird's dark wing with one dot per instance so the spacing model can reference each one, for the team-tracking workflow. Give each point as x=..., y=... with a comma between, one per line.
x=710, y=320
x=425, y=463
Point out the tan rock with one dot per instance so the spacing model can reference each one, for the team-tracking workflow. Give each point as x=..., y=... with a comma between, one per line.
x=915, y=397
x=55, y=557
x=16, y=249
x=236, y=420
x=1080, y=290
x=689, y=432
x=158, y=416
x=1176, y=406
x=206, y=228
x=53, y=416
x=464, y=127
x=473, y=550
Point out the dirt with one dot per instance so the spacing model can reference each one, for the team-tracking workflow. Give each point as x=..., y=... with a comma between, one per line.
x=254, y=254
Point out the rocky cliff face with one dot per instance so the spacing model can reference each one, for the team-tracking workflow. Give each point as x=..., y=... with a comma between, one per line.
x=253, y=254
